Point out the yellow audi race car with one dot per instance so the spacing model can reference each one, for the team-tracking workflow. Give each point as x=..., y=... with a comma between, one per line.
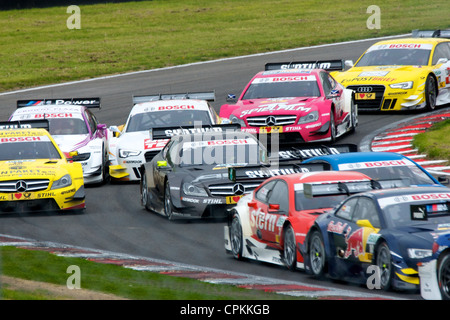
x=34, y=173
x=401, y=74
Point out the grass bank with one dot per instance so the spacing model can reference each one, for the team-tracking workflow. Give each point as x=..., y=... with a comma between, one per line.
x=37, y=47
x=112, y=279
x=435, y=142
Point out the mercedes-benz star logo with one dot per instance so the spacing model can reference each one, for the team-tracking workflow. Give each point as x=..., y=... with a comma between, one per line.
x=238, y=189
x=270, y=121
x=21, y=186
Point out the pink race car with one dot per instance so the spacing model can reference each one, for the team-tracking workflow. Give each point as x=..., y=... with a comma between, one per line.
x=299, y=100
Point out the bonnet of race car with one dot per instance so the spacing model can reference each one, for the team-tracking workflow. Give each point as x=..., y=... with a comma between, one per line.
x=33, y=169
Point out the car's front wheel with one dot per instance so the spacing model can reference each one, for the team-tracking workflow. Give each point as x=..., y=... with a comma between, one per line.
x=144, y=191
x=290, y=248
x=236, y=237
x=430, y=93
x=444, y=276
x=317, y=256
x=384, y=263
x=168, y=208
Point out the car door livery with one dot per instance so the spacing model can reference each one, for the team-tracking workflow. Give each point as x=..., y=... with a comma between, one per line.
x=269, y=212
x=354, y=229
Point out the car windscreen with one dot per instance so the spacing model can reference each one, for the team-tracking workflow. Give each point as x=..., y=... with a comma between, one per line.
x=66, y=126
x=411, y=173
x=229, y=152
x=288, y=87
x=411, y=214
x=173, y=118
x=28, y=150
x=397, y=57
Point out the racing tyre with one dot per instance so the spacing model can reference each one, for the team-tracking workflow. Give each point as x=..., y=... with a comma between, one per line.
x=317, y=256
x=236, y=237
x=168, y=202
x=105, y=167
x=332, y=127
x=384, y=262
x=430, y=93
x=290, y=249
x=144, y=192
x=444, y=276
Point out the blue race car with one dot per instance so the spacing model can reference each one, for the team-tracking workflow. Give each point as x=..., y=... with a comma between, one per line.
x=378, y=236
x=435, y=274
x=380, y=165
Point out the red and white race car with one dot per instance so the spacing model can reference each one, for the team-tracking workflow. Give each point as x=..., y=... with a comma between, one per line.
x=271, y=223
x=300, y=101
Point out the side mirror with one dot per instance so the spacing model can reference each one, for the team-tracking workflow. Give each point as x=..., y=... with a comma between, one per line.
x=364, y=223
x=348, y=63
x=162, y=165
x=334, y=94
x=443, y=180
x=231, y=97
x=274, y=207
x=442, y=60
x=252, y=204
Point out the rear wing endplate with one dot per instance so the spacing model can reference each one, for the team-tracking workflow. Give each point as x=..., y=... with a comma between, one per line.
x=329, y=65
x=87, y=102
x=208, y=96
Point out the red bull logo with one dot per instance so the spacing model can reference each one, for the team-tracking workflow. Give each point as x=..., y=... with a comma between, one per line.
x=354, y=243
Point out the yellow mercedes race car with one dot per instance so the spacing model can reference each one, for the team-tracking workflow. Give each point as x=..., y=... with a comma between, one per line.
x=35, y=174
x=401, y=74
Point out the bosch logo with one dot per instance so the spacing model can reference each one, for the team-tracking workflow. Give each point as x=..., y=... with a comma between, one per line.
x=364, y=89
x=21, y=186
x=270, y=121
x=238, y=189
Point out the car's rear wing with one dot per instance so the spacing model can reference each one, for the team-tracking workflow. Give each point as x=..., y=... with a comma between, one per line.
x=349, y=187
x=168, y=132
x=208, y=96
x=24, y=124
x=306, y=152
x=265, y=172
x=431, y=34
x=87, y=102
x=329, y=65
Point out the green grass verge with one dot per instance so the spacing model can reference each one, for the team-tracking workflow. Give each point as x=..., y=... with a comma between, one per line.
x=38, y=48
x=113, y=279
x=435, y=142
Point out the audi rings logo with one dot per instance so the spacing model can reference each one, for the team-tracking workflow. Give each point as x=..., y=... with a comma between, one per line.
x=238, y=189
x=21, y=186
x=271, y=121
x=364, y=89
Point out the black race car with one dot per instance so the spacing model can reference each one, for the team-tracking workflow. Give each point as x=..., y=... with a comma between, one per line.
x=190, y=177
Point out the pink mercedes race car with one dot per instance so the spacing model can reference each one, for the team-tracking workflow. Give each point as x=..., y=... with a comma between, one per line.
x=299, y=100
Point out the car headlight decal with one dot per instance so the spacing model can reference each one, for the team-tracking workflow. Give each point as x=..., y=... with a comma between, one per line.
x=128, y=153
x=310, y=117
x=402, y=85
x=193, y=190
x=62, y=182
x=414, y=253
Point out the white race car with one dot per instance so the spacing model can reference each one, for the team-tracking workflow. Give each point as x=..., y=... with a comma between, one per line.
x=135, y=143
x=75, y=129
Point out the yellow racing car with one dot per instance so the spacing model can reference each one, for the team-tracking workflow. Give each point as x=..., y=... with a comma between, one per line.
x=35, y=174
x=402, y=74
